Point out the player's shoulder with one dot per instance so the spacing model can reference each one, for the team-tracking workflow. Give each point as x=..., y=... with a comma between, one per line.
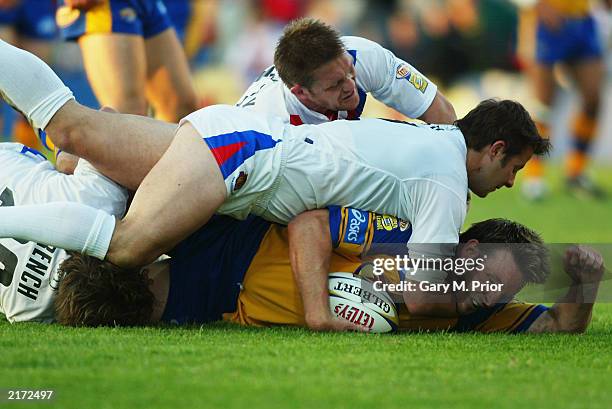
x=359, y=43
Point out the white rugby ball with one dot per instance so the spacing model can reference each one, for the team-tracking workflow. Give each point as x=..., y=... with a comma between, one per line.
x=355, y=300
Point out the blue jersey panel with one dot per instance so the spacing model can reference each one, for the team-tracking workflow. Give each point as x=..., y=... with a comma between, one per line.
x=207, y=268
x=576, y=40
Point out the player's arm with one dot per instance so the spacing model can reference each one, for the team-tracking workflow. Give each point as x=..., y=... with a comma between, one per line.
x=438, y=214
x=398, y=84
x=572, y=313
x=310, y=249
x=440, y=111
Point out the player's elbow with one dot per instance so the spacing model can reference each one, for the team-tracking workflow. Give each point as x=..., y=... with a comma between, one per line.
x=441, y=111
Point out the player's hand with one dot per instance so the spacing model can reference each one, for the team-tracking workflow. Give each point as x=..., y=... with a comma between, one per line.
x=8, y=4
x=329, y=323
x=583, y=264
x=83, y=4
x=549, y=16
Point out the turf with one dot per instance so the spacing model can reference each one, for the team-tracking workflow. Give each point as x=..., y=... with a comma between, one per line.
x=222, y=366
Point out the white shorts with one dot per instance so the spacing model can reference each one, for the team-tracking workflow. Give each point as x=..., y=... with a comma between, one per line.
x=249, y=150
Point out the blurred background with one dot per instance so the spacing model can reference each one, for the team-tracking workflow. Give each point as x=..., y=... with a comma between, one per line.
x=473, y=49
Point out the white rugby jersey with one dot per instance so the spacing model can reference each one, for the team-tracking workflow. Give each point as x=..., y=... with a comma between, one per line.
x=416, y=172
x=28, y=271
x=389, y=79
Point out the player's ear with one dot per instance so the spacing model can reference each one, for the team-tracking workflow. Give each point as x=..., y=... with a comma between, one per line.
x=497, y=149
x=298, y=91
x=469, y=249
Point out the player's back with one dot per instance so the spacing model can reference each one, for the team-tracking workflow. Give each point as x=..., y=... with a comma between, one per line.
x=28, y=280
x=28, y=272
x=376, y=165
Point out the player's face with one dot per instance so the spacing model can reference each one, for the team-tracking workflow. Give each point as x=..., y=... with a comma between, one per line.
x=498, y=282
x=334, y=87
x=495, y=172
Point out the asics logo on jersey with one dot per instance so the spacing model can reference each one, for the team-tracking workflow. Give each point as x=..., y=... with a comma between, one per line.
x=356, y=220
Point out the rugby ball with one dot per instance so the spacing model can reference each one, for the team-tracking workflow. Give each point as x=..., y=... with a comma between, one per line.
x=355, y=300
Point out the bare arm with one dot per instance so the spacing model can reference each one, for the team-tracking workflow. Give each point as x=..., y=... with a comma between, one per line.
x=572, y=313
x=310, y=250
x=440, y=111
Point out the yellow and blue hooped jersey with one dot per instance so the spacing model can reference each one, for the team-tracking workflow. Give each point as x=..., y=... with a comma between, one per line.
x=240, y=270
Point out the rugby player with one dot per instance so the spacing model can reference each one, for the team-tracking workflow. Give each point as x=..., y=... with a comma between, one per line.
x=250, y=281
x=131, y=54
x=28, y=270
x=566, y=35
x=320, y=76
x=260, y=165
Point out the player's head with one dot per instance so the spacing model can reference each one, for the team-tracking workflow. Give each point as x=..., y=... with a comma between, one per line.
x=312, y=61
x=502, y=137
x=97, y=293
x=511, y=254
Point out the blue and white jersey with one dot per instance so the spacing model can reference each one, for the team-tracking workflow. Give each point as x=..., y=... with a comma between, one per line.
x=379, y=72
x=28, y=270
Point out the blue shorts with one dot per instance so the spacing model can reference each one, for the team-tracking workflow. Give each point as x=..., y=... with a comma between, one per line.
x=145, y=18
x=179, y=12
x=31, y=18
x=207, y=269
x=576, y=40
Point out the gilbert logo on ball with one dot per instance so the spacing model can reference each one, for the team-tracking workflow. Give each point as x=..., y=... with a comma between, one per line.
x=355, y=300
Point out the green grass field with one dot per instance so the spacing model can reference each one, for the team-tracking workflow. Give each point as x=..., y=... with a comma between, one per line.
x=222, y=366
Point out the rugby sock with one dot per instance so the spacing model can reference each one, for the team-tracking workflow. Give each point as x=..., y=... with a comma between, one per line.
x=23, y=133
x=71, y=226
x=30, y=86
x=584, y=131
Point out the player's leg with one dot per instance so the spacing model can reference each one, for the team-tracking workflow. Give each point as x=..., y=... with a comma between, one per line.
x=588, y=76
x=168, y=86
x=544, y=87
x=180, y=194
x=36, y=31
x=124, y=147
x=116, y=69
x=121, y=146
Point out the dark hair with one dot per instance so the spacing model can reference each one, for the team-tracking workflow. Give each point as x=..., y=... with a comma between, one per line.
x=526, y=246
x=305, y=45
x=494, y=120
x=98, y=293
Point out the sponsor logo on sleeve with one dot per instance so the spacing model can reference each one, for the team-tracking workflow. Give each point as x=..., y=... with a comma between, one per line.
x=404, y=71
x=357, y=224
x=386, y=222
